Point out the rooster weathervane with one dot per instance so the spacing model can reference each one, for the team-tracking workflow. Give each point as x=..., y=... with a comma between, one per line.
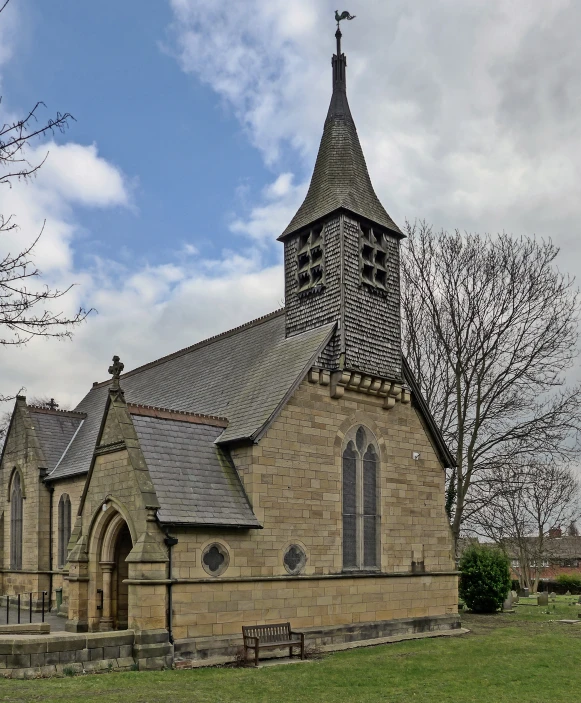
x=343, y=16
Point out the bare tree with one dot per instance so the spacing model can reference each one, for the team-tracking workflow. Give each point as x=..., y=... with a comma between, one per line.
x=490, y=326
x=530, y=500
x=24, y=304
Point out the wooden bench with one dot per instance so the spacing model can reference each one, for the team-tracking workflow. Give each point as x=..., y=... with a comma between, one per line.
x=259, y=637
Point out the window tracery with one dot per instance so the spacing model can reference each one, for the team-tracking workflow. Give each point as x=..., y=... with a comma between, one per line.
x=360, y=466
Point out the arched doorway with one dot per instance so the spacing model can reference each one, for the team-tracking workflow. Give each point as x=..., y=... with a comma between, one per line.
x=116, y=545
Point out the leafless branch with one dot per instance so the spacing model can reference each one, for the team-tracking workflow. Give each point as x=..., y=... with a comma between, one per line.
x=490, y=327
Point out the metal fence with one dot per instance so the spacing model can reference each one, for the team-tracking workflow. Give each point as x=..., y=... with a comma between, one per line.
x=19, y=608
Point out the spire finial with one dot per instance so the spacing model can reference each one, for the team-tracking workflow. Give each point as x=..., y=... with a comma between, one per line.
x=345, y=15
x=339, y=61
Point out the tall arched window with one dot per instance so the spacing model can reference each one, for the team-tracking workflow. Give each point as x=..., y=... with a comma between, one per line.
x=16, y=523
x=64, y=529
x=360, y=509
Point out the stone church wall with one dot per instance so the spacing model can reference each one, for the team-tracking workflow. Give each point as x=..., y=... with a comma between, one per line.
x=294, y=484
x=21, y=453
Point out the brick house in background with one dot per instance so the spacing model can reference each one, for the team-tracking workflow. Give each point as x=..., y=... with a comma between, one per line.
x=288, y=469
x=562, y=556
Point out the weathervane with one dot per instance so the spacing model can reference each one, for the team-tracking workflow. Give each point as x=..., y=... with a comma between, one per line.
x=345, y=15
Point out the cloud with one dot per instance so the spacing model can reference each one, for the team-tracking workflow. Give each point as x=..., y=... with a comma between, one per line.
x=469, y=113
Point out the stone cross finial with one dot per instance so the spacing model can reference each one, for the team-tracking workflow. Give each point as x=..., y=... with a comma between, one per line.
x=115, y=370
x=52, y=404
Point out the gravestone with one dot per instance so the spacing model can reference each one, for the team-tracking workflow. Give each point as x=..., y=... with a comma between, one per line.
x=524, y=593
x=543, y=598
x=553, y=596
x=514, y=596
x=507, y=605
x=568, y=593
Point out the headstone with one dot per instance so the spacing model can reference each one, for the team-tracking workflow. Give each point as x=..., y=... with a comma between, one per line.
x=514, y=596
x=507, y=605
x=524, y=593
x=543, y=598
x=568, y=593
x=553, y=596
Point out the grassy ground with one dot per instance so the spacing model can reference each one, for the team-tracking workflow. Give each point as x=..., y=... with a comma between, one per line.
x=526, y=657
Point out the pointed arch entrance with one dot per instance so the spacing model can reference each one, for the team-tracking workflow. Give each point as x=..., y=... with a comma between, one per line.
x=114, y=550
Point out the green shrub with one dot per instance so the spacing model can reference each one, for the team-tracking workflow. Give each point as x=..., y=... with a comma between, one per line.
x=485, y=578
x=570, y=581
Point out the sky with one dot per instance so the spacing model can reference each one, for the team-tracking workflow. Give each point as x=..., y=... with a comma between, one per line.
x=197, y=124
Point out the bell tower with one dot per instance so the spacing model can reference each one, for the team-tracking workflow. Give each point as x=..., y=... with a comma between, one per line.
x=341, y=252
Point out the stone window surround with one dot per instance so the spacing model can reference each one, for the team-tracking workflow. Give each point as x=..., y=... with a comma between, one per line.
x=16, y=498
x=350, y=436
x=373, y=258
x=64, y=527
x=303, y=561
x=311, y=260
x=221, y=548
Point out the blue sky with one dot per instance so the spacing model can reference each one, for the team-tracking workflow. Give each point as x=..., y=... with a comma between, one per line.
x=198, y=123
x=183, y=152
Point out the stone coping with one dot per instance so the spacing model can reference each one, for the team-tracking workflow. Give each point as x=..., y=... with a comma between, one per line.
x=308, y=577
x=64, y=641
x=33, y=628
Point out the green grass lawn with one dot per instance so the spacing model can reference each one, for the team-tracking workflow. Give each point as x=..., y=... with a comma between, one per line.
x=522, y=657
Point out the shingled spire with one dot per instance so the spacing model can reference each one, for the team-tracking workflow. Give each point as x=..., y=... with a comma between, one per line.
x=341, y=252
x=340, y=179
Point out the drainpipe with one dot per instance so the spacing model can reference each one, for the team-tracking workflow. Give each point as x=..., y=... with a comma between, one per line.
x=51, y=493
x=170, y=542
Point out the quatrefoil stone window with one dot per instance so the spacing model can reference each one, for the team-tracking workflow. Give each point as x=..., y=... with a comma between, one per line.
x=294, y=559
x=215, y=559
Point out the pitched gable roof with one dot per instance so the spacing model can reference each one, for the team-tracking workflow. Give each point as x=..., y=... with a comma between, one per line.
x=195, y=481
x=54, y=429
x=434, y=432
x=242, y=375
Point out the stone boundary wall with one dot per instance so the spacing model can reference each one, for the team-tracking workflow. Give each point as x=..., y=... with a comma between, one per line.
x=207, y=651
x=27, y=656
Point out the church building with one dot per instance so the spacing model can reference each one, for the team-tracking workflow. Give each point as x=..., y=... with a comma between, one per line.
x=286, y=470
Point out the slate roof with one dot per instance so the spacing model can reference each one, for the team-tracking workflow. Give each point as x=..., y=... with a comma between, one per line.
x=243, y=375
x=194, y=479
x=340, y=178
x=444, y=453
x=54, y=430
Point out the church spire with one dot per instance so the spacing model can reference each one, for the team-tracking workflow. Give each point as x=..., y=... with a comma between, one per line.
x=340, y=179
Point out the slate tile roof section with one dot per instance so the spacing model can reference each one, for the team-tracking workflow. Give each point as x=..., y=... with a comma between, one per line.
x=340, y=178
x=54, y=429
x=195, y=480
x=235, y=370
x=271, y=381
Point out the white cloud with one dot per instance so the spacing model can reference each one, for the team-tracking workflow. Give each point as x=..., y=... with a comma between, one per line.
x=469, y=113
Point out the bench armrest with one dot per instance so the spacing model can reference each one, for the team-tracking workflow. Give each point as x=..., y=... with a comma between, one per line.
x=256, y=640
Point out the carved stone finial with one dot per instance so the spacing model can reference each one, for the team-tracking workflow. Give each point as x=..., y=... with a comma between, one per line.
x=52, y=404
x=116, y=370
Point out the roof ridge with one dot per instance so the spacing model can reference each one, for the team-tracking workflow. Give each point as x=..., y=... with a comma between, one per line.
x=49, y=411
x=170, y=414
x=197, y=345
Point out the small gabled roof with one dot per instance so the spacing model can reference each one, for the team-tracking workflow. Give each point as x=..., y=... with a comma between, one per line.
x=340, y=179
x=195, y=480
x=54, y=429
